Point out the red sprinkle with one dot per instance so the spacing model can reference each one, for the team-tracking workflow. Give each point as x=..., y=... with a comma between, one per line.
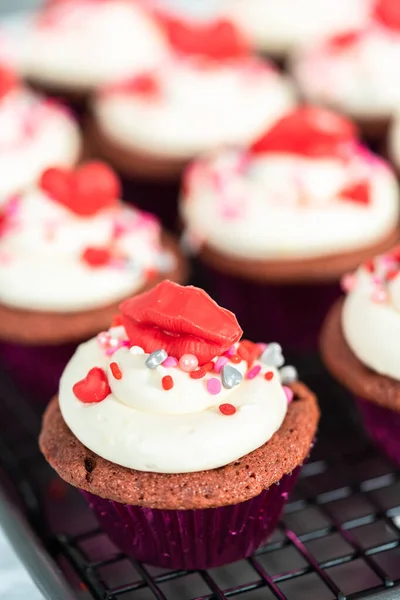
x=208, y=367
x=96, y=257
x=167, y=382
x=198, y=373
x=269, y=375
x=115, y=370
x=227, y=409
x=235, y=359
x=369, y=266
x=392, y=274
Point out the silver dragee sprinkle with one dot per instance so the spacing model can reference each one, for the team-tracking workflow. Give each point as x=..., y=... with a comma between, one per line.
x=230, y=377
x=156, y=358
x=272, y=355
x=288, y=374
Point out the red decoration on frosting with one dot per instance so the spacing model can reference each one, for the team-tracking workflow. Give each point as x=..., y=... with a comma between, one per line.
x=308, y=131
x=96, y=257
x=181, y=320
x=219, y=40
x=387, y=12
x=8, y=81
x=115, y=370
x=93, y=388
x=342, y=41
x=359, y=192
x=85, y=191
x=145, y=85
x=167, y=383
x=227, y=409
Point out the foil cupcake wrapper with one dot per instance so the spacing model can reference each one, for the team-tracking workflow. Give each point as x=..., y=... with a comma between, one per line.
x=193, y=539
x=383, y=427
x=290, y=314
x=36, y=370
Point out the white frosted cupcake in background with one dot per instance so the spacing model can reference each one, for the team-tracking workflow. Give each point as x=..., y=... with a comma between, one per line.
x=356, y=72
x=278, y=26
x=72, y=46
x=210, y=92
x=34, y=133
x=70, y=251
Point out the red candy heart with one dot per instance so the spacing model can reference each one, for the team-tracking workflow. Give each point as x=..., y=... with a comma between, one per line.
x=8, y=81
x=359, y=192
x=85, y=191
x=181, y=320
x=93, y=388
x=219, y=40
x=308, y=131
x=96, y=257
x=387, y=12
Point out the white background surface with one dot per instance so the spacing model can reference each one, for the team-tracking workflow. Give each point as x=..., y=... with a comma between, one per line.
x=15, y=583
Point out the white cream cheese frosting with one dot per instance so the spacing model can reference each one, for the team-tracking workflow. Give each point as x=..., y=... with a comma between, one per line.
x=285, y=206
x=371, y=314
x=277, y=26
x=194, y=106
x=141, y=425
x=354, y=76
x=81, y=44
x=34, y=133
x=43, y=246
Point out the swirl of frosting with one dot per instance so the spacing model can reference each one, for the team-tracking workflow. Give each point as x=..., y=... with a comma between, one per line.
x=163, y=417
x=56, y=256
x=34, y=132
x=306, y=188
x=86, y=43
x=193, y=104
x=353, y=72
x=278, y=27
x=371, y=314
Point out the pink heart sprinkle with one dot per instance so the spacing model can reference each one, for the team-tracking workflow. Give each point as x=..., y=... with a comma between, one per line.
x=289, y=393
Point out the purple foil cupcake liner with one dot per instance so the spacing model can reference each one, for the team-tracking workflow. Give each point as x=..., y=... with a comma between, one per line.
x=36, y=369
x=289, y=314
x=383, y=426
x=193, y=539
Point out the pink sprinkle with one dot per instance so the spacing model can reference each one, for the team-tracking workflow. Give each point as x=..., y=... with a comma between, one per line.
x=377, y=280
x=347, y=282
x=253, y=372
x=221, y=362
x=170, y=362
x=379, y=296
x=103, y=339
x=262, y=346
x=231, y=351
x=125, y=344
x=289, y=393
x=214, y=386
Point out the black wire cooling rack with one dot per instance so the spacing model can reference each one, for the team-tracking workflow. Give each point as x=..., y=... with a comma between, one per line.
x=338, y=538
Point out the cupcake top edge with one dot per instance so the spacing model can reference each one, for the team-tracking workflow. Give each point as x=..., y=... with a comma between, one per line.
x=172, y=388
x=306, y=188
x=70, y=244
x=371, y=313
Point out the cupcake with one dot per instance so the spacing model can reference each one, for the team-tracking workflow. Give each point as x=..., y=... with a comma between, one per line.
x=210, y=92
x=34, y=133
x=358, y=345
x=70, y=251
x=73, y=46
x=180, y=438
x=280, y=221
x=354, y=72
x=277, y=27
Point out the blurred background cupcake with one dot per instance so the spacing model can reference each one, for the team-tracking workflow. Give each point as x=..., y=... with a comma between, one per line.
x=35, y=132
x=70, y=251
x=355, y=71
x=360, y=346
x=209, y=92
x=276, y=27
x=280, y=221
x=70, y=47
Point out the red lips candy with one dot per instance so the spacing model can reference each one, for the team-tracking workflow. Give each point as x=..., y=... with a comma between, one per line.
x=93, y=388
x=219, y=40
x=308, y=131
x=387, y=12
x=85, y=191
x=181, y=320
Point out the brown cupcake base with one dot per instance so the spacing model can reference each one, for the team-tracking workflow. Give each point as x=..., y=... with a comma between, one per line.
x=130, y=161
x=350, y=371
x=236, y=482
x=309, y=270
x=31, y=327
